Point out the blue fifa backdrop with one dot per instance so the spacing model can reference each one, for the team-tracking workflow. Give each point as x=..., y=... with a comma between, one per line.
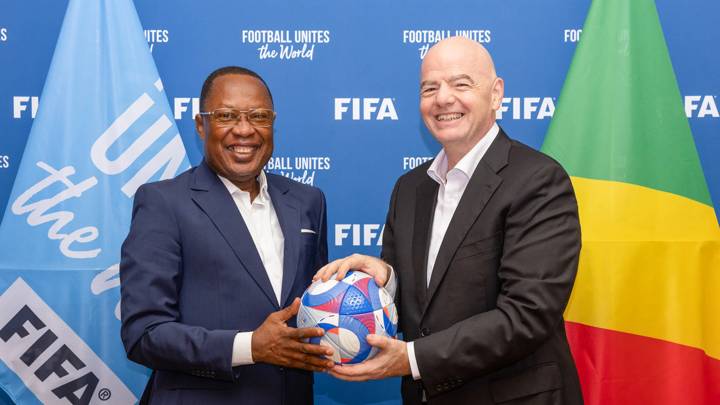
x=344, y=76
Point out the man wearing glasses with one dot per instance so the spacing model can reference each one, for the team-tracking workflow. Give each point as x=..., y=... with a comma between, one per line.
x=213, y=255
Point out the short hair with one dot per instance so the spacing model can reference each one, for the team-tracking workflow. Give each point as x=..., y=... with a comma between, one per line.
x=228, y=70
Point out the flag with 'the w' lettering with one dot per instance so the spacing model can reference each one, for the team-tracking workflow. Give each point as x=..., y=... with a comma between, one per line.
x=102, y=129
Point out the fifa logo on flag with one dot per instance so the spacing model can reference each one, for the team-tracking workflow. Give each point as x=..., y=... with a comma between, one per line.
x=50, y=358
x=103, y=128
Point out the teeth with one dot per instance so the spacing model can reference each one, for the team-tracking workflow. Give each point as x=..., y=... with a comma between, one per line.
x=449, y=117
x=241, y=149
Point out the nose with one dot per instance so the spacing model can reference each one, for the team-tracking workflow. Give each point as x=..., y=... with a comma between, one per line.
x=444, y=95
x=242, y=127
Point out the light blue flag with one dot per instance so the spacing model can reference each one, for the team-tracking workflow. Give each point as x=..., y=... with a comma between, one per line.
x=102, y=129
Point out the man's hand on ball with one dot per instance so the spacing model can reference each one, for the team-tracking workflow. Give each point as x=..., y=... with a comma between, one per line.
x=276, y=343
x=391, y=361
x=373, y=266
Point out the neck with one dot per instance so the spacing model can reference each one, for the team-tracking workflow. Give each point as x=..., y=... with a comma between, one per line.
x=250, y=186
x=456, y=151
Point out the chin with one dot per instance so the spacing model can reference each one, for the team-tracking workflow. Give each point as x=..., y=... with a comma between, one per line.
x=449, y=137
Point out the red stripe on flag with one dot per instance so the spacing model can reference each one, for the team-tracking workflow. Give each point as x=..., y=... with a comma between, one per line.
x=622, y=368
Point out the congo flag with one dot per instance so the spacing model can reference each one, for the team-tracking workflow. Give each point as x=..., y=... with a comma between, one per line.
x=643, y=317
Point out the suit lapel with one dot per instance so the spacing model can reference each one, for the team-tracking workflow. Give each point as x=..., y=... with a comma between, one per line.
x=212, y=197
x=480, y=189
x=426, y=197
x=289, y=218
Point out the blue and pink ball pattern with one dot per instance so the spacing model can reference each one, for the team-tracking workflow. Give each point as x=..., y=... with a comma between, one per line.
x=348, y=310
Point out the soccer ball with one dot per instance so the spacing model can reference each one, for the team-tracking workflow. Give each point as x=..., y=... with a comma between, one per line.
x=348, y=310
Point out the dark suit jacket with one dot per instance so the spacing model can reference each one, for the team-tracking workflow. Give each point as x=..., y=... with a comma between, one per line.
x=489, y=328
x=191, y=278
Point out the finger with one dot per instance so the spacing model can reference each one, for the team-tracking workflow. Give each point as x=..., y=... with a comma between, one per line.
x=289, y=311
x=344, y=267
x=319, y=362
x=321, y=272
x=351, y=371
x=297, y=359
x=381, y=342
x=343, y=377
x=304, y=333
x=309, y=348
x=328, y=270
x=317, y=274
x=382, y=276
x=380, y=280
x=306, y=366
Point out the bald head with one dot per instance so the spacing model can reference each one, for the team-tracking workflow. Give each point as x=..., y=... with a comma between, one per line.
x=459, y=94
x=460, y=50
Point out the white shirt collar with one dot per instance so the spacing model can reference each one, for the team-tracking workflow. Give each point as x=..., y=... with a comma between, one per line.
x=439, y=168
x=263, y=195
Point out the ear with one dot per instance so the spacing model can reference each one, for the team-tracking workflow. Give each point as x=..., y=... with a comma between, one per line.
x=497, y=93
x=200, y=126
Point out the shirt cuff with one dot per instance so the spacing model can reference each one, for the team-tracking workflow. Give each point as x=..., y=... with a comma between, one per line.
x=413, y=362
x=242, y=349
x=391, y=285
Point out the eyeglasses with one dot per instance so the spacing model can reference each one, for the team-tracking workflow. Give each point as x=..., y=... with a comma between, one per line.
x=228, y=117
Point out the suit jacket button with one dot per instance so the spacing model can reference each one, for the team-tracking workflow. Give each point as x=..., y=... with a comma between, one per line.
x=424, y=332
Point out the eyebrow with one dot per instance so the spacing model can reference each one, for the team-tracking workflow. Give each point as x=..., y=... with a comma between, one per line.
x=452, y=79
x=461, y=76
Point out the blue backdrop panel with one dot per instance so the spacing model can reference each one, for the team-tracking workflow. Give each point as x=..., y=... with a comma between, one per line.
x=344, y=76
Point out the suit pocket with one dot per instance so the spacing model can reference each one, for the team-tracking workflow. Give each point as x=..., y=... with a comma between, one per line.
x=308, y=237
x=537, y=382
x=487, y=245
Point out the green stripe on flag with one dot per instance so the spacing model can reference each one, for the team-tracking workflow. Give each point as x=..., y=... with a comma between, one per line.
x=620, y=115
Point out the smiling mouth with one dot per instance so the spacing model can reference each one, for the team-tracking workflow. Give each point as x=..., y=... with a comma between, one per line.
x=241, y=149
x=449, y=116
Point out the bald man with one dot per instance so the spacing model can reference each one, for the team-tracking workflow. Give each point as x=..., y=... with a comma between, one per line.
x=482, y=244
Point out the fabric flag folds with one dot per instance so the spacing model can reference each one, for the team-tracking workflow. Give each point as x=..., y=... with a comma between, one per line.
x=642, y=319
x=102, y=129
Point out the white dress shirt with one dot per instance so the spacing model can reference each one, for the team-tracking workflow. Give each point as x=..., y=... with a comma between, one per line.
x=262, y=222
x=452, y=186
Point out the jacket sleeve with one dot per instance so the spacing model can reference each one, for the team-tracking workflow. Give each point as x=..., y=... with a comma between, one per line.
x=150, y=282
x=388, y=243
x=322, y=253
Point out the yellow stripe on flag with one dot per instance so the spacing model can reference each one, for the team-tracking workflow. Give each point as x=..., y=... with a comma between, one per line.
x=649, y=265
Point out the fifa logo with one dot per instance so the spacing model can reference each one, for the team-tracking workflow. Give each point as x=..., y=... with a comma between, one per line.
x=182, y=104
x=49, y=357
x=701, y=106
x=20, y=104
x=526, y=108
x=365, y=109
x=359, y=234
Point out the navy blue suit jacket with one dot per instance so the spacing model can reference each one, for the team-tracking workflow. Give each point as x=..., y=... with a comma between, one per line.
x=191, y=278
